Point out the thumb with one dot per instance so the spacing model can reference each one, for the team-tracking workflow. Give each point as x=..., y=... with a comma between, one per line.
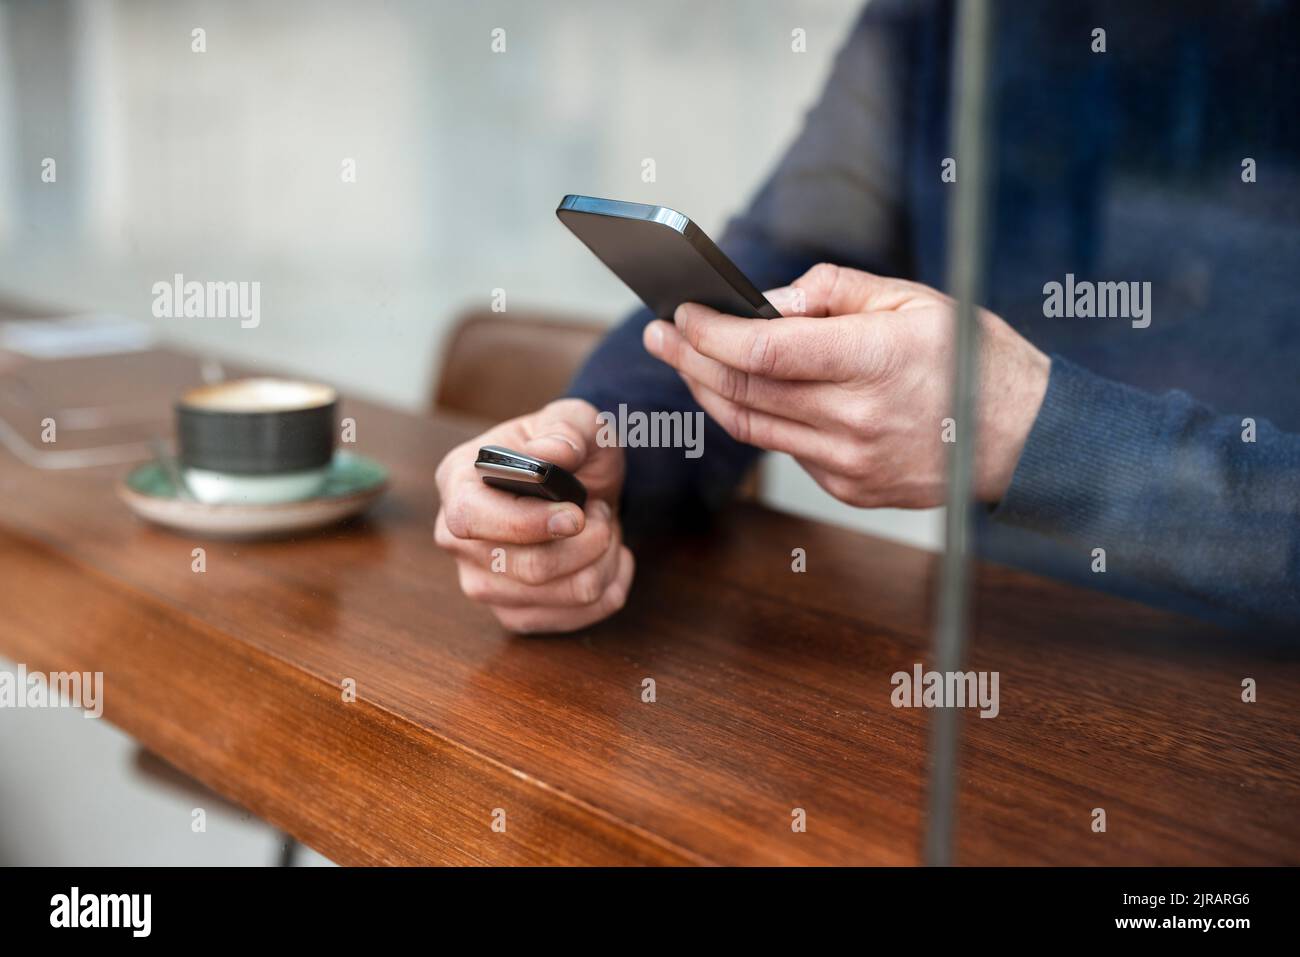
x=827, y=290
x=558, y=441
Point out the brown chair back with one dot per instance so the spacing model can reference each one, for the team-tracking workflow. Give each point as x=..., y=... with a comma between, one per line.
x=498, y=366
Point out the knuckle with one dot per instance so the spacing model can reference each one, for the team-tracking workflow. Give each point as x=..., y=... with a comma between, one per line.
x=828, y=276
x=474, y=585
x=526, y=527
x=457, y=514
x=618, y=591
x=449, y=462
x=531, y=566
x=864, y=465
x=696, y=336
x=761, y=352
x=730, y=384
x=824, y=273
x=440, y=473
x=512, y=620
x=844, y=489
x=603, y=535
x=849, y=459
x=741, y=424
x=587, y=586
x=861, y=418
x=442, y=537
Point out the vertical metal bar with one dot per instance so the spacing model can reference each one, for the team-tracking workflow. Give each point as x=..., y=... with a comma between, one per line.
x=966, y=235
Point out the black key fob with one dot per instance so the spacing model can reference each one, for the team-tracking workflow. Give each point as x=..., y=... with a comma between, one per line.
x=525, y=475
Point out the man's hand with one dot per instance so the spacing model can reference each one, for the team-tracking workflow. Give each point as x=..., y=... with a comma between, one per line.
x=560, y=567
x=855, y=383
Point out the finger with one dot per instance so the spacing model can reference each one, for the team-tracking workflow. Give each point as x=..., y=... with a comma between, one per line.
x=473, y=510
x=455, y=465
x=829, y=290
x=764, y=430
x=544, y=620
x=838, y=486
x=582, y=588
x=794, y=348
x=792, y=399
x=557, y=440
x=554, y=438
x=539, y=564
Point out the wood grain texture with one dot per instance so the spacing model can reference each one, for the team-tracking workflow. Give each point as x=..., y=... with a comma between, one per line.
x=773, y=689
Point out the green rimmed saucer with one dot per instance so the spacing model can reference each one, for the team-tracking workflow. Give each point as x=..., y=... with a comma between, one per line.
x=352, y=484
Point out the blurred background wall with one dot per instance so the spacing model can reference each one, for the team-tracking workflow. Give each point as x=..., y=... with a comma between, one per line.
x=227, y=164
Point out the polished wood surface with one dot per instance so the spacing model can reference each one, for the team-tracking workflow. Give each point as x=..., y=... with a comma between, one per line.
x=773, y=688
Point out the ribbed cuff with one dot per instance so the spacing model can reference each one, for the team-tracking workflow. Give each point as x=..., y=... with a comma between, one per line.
x=1086, y=465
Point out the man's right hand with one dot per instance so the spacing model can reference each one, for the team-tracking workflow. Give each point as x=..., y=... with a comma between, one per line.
x=560, y=567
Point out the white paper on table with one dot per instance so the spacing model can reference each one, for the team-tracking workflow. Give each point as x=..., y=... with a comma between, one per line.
x=66, y=337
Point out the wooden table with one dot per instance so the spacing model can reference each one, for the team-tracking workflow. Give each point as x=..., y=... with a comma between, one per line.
x=773, y=688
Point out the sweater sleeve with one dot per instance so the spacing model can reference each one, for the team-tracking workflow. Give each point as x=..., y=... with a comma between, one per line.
x=1204, y=504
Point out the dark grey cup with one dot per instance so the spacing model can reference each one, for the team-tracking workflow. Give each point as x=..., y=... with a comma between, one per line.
x=241, y=438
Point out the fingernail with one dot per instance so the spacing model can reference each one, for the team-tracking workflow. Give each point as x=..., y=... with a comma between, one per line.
x=603, y=509
x=562, y=523
x=781, y=297
x=679, y=315
x=655, y=337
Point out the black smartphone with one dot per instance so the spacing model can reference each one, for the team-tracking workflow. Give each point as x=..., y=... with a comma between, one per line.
x=662, y=256
x=525, y=475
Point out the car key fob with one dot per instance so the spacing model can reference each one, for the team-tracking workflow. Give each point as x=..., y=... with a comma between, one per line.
x=524, y=475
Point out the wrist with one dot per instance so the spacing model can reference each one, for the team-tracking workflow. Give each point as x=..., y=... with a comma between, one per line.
x=1014, y=403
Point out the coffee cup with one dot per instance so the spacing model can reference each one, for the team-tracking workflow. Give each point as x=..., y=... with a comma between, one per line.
x=256, y=441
